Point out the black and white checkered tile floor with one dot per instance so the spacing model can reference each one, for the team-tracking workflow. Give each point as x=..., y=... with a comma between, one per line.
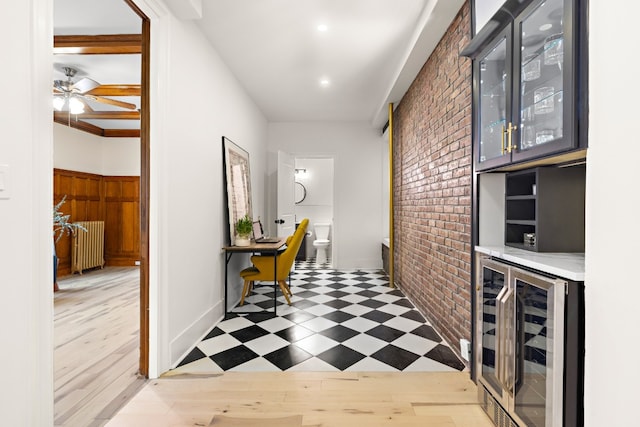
x=338, y=321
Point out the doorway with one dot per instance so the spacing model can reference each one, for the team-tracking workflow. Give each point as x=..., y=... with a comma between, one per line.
x=314, y=199
x=92, y=19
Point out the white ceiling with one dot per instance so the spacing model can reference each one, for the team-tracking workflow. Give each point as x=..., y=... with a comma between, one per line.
x=370, y=53
x=277, y=52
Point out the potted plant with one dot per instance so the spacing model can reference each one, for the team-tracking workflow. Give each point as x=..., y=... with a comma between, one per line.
x=244, y=227
x=61, y=225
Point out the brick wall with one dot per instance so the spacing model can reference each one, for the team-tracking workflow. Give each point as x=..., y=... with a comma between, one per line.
x=432, y=188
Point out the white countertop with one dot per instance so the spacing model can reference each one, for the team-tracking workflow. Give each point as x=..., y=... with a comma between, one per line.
x=565, y=265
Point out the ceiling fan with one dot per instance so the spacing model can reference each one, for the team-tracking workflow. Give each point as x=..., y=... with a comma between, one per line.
x=72, y=96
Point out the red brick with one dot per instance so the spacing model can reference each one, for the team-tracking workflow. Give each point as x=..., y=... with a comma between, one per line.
x=432, y=194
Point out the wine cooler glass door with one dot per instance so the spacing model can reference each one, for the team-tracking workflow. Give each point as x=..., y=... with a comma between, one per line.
x=539, y=328
x=492, y=331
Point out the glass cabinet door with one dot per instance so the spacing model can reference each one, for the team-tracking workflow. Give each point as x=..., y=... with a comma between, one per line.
x=542, y=77
x=494, y=88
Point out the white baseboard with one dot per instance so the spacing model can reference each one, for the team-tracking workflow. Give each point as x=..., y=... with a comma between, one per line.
x=188, y=339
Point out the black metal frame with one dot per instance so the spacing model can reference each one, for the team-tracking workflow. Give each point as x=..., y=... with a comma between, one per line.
x=229, y=251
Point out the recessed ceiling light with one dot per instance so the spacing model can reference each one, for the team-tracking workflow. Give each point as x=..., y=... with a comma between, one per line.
x=325, y=82
x=322, y=28
x=545, y=27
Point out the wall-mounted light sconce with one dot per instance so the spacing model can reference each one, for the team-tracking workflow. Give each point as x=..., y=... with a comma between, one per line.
x=301, y=173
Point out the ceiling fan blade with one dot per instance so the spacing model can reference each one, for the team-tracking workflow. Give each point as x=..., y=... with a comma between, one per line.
x=58, y=85
x=85, y=85
x=110, y=101
x=87, y=108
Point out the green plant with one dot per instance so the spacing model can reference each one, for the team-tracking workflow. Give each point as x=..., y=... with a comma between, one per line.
x=244, y=226
x=61, y=224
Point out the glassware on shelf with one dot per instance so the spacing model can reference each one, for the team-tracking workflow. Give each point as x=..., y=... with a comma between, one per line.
x=543, y=100
x=530, y=67
x=527, y=114
x=544, y=135
x=528, y=137
x=553, y=49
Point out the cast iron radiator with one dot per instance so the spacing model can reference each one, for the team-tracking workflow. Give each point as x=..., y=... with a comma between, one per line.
x=88, y=246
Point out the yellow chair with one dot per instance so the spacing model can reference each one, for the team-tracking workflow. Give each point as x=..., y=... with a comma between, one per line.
x=262, y=268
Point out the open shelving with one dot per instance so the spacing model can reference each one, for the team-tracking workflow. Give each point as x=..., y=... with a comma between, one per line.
x=549, y=203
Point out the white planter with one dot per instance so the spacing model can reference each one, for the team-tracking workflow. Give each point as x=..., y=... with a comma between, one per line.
x=242, y=241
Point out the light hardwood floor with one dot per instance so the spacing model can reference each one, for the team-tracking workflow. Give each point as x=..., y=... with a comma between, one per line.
x=309, y=399
x=96, y=338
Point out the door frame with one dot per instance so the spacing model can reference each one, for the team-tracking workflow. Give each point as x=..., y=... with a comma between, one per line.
x=145, y=122
x=334, y=226
x=155, y=354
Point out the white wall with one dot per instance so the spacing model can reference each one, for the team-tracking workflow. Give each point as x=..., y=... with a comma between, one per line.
x=187, y=182
x=484, y=11
x=83, y=152
x=26, y=258
x=355, y=148
x=613, y=206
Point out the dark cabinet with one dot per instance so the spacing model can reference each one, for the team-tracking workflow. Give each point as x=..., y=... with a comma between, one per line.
x=544, y=209
x=529, y=83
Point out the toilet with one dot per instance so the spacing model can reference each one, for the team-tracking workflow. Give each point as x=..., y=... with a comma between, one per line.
x=321, y=243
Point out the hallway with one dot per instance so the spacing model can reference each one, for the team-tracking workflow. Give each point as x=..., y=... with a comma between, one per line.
x=338, y=321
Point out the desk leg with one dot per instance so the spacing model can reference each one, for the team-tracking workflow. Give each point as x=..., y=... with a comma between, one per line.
x=275, y=281
x=226, y=283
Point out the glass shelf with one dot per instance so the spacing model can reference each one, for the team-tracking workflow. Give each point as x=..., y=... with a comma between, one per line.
x=497, y=124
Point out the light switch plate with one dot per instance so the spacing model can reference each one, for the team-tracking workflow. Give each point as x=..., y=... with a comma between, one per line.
x=5, y=183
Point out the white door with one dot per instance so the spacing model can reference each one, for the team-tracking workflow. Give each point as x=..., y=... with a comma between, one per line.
x=285, y=217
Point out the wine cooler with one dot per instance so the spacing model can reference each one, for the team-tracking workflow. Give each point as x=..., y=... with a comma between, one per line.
x=529, y=346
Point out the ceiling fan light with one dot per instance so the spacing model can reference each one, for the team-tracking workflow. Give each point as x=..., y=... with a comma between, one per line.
x=76, y=106
x=58, y=103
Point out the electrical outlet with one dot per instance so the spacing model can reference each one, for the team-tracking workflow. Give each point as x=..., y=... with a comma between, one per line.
x=137, y=262
x=465, y=349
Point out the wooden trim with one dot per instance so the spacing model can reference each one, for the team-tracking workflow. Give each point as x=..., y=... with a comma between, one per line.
x=63, y=119
x=115, y=90
x=121, y=262
x=99, y=44
x=145, y=157
x=102, y=115
x=121, y=133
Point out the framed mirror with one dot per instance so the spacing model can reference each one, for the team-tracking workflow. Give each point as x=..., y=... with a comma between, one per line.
x=301, y=192
x=237, y=184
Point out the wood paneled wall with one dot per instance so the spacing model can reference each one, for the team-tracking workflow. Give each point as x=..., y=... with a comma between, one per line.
x=122, y=219
x=112, y=199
